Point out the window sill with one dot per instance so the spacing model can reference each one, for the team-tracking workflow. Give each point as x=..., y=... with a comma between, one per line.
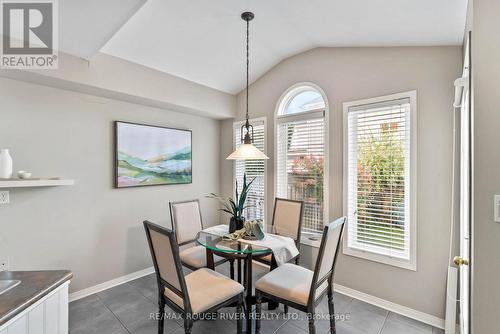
x=311, y=239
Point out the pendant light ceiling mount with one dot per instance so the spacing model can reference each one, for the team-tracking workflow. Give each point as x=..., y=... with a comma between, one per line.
x=247, y=150
x=247, y=16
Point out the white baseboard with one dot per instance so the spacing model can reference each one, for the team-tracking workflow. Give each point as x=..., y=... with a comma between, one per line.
x=390, y=306
x=109, y=284
x=385, y=304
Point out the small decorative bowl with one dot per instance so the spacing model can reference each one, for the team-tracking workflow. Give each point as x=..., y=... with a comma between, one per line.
x=23, y=174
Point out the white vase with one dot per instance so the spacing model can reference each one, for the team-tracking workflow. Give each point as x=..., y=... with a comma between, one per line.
x=5, y=164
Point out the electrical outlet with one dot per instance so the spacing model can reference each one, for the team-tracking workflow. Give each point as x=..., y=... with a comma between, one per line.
x=4, y=197
x=496, y=208
x=4, y=264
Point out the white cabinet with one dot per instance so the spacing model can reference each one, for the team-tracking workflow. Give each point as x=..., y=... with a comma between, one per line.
x=49, y=315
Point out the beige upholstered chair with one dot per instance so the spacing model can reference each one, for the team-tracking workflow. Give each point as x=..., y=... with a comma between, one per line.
x=202, y=291
x=187, y=222
x=302, y=288
x=287, y=221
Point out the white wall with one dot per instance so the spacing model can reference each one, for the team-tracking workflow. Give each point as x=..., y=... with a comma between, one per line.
x=486, y=238
x=348, y=74
x=90, y=228
x=116, y=78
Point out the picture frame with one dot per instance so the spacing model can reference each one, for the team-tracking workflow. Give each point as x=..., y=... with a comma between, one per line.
x=151, y=155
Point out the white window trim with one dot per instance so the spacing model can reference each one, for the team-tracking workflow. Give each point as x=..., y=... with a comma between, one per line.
x=236, y=127
x=307, y=238
x=410, y=264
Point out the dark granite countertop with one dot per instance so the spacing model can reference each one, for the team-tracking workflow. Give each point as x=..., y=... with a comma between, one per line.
x=33, y=287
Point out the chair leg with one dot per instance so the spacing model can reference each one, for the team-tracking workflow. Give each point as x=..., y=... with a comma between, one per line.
x=188, y=326
x=231, y=268
x=161, y=314
x=286, y=308
x=312, y=327
x=239, y=270
x=331, y=311
x=239, y=316
x=258, y=311
x=244, y=275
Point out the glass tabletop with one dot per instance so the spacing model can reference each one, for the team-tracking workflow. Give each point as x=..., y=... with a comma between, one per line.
x=216, y=242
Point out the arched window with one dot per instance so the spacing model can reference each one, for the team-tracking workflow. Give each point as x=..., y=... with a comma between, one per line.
x=302, y=99
x=301, y=154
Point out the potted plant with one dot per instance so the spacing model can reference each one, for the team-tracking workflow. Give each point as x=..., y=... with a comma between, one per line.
x=235, y=207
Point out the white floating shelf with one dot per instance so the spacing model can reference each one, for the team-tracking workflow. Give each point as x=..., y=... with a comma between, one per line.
x=26, y=183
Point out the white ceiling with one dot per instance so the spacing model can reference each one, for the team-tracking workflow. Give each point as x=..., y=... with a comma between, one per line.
x=203, y=41
x=86, y=25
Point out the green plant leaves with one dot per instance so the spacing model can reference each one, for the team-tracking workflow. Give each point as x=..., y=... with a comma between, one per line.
x=237, y=206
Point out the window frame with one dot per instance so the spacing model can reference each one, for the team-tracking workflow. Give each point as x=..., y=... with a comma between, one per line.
x=410, y=264
x=237, y=127
x=307, y=238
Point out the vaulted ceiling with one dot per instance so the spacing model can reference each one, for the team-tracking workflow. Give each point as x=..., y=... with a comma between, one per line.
x=85, y=26
x=203, y=41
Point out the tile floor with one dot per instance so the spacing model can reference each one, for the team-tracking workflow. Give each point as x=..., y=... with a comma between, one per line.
x=127, y=308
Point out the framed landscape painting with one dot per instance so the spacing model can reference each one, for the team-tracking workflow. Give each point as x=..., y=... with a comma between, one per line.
x=148, y=155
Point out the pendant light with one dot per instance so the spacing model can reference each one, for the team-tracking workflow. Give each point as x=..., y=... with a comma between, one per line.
x=247, y=150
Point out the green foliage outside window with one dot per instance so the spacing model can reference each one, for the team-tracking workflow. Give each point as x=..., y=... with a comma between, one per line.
x=381, y=187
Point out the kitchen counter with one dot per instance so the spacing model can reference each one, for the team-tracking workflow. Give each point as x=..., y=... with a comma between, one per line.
x=34, y=286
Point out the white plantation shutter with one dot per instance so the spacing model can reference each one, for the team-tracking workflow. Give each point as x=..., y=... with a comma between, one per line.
x=378, y=178
x=300, y=164
x=253, y=169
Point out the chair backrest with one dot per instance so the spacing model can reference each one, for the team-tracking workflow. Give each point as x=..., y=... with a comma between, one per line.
x=287, y=218
x=186, y=220
x=165, y=253
x=327, y=256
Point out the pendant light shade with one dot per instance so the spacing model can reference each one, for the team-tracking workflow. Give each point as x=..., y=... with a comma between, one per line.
x=247, y=150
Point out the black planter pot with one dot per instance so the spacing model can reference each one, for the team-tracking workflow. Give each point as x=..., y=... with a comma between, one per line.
x=236, y=224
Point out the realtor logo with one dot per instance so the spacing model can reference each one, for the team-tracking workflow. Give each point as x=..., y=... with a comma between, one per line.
x=29, y=34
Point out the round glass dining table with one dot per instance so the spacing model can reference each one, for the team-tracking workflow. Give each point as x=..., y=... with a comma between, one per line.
x=239, y=250
x=220, y=244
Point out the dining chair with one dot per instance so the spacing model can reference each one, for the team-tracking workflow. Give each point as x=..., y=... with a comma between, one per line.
x=287, y=221
x=201, y=291
x=302, y=288
x=187, y=222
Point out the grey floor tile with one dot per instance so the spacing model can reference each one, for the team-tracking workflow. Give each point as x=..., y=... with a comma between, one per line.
x=365, y=317
x=84, y=302
x=150, y=326
x=271, y=320
x=136, y=311
x=344, y=328
x=216, y=327
x=437, y=330
x=90, y=316
x=301, y=320
x=361, y=306
x=322, y=322
x=119, y=296
x=342, y=304
x=132, y=308
x=224, y=269
x=408, y=321
x=127, y=309
x=147, y=286
x=397, y=327
x=289, y=327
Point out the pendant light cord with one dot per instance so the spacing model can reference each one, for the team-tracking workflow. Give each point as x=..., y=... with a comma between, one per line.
x=248, y=64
